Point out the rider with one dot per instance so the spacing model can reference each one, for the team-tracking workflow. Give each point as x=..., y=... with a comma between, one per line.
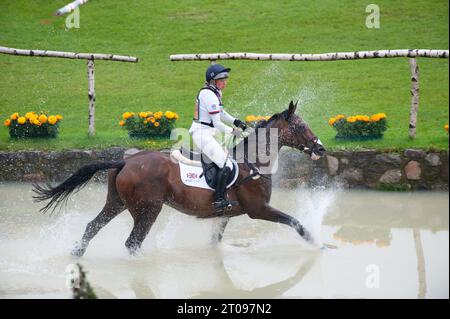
x=208, y=117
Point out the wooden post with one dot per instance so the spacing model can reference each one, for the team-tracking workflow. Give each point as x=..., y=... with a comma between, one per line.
x=414, y=97
x=91, y=94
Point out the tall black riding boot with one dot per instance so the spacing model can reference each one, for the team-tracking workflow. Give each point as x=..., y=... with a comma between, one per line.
x=220, y=202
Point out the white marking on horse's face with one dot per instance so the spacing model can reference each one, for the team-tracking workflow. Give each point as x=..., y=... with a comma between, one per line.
x=314, y=156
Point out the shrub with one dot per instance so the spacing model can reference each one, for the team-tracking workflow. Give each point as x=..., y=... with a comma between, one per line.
x=149, y=124
x=32, y=125
x=359, y=126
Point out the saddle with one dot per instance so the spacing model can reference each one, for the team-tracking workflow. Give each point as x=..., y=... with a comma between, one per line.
x=196, y=168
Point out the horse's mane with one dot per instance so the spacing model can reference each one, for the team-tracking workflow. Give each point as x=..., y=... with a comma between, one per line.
x=263, y=124
x=276, y=116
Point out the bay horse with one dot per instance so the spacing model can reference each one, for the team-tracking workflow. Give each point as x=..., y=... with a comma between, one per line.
x=145, y=181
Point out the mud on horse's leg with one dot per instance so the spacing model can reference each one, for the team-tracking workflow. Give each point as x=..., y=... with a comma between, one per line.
x=271, y=214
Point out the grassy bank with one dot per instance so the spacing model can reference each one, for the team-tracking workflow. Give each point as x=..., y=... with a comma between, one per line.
x=152, y=30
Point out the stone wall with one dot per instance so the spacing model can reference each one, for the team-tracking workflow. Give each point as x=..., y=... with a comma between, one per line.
x=408, y=170
x=411, y=169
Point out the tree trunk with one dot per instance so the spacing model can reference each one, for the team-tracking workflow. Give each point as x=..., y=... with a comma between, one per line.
x=414, y=97
x=91, y=80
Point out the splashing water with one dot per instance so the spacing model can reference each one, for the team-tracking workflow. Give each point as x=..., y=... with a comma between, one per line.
x=315, y=204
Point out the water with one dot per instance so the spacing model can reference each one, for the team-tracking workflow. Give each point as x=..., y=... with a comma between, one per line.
x=389, y=245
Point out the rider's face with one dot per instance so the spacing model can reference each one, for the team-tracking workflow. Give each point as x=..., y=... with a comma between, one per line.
x=221, y=84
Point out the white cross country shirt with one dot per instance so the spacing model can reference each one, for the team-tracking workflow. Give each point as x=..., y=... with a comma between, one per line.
x=209, y=110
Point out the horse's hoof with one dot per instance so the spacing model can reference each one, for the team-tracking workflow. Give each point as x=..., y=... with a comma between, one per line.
x=77, y=251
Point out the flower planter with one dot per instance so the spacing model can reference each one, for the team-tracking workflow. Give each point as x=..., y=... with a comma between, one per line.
x=33, y=126
x=359, y=127
x=358, y=138
x=144, y=125
x=145, y=135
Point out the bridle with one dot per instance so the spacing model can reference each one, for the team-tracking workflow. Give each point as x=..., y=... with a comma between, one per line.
x=309, y=146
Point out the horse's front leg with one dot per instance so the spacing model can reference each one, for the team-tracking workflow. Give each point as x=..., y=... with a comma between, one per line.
x=269, y=213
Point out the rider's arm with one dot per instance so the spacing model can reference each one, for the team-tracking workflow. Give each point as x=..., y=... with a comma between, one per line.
x=227, y=118
x=218, y=124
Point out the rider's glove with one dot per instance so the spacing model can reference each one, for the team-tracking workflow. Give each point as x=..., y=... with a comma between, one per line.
x=240, y=124
x=237, y=132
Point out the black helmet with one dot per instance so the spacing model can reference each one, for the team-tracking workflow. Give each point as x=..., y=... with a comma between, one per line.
x=216, y=71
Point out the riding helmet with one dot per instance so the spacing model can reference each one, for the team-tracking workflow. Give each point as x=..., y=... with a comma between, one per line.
x=216, y=71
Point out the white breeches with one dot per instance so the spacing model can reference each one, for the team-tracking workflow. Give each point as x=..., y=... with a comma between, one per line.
x=208, y=145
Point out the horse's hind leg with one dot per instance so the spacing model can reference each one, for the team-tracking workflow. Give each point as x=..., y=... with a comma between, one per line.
x=113, y=207
x=144, y=217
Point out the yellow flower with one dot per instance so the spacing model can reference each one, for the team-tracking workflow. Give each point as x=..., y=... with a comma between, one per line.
x=143, y=114
x=127, y=115
x=377, y=117
x=250, y=118
x=169, y=115
x=52, y=120
x=156, y=124
x=339, y=117
x=158, y=115
x=351, y=119
x=29, y=115
x=122, y=123
x=175, y=115
x=364, y=118
x=14, y=116
x=59, y=117
x=152, y=119
x=42, y=118
x=36, y=122
x=21, y=120
x=332, y=121
x=7, y=122
x=446, y=127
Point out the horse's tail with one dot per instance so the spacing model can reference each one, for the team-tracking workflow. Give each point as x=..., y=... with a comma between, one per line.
x=74, y=183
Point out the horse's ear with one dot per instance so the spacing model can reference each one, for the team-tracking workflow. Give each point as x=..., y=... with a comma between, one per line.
x=291, y=110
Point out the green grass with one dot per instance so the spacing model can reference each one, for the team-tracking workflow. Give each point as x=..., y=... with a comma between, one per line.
x=152, y=30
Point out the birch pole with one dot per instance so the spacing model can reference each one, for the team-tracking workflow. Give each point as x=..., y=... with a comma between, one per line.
x=70, y=7
x=333, y=56
x=68, y=55
x=414, y=97
x=91, y=94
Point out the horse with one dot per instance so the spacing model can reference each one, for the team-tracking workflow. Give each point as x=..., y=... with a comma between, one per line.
x=145, y=181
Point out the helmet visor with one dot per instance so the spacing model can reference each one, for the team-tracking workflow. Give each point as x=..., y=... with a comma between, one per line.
x=222, y=75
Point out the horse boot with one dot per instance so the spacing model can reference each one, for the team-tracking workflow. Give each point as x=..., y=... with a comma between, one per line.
x=221, y=204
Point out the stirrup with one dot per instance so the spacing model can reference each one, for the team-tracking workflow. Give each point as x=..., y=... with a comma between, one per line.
x=223, y=205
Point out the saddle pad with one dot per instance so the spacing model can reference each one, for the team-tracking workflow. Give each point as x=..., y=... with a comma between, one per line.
x=193, y=175
x=190, y=176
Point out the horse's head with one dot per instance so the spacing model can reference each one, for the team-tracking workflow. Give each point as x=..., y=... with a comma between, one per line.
x=294, y=132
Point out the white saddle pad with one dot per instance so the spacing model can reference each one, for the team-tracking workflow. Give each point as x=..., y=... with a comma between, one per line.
x=192, y=175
